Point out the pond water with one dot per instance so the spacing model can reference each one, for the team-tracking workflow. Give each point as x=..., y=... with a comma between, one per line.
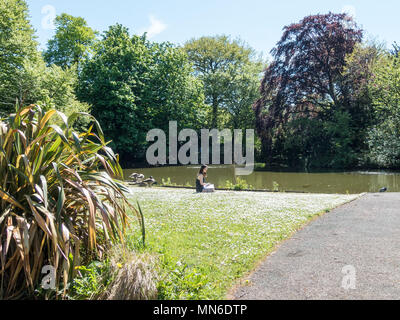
x=329, y=182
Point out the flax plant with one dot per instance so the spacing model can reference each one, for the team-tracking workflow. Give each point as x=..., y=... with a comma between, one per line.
x=62, y=199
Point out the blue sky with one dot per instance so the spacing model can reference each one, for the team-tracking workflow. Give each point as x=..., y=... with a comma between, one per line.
x=258, y=22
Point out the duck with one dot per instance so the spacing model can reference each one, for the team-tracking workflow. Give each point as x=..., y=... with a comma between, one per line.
x=135, y=177
x=148, y=182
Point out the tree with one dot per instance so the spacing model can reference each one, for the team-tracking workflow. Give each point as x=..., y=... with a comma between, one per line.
x=229, y=72
x=18, y=52
x=239, y=101
x=134, y=86
x=72, y=42
x=57, y=90
x=23, y=73
x=306, y=77
x=384, y=137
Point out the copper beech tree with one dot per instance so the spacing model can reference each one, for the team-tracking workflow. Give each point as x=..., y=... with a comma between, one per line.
x=306, y=76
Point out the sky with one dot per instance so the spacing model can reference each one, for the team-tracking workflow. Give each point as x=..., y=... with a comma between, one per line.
x=257, y=22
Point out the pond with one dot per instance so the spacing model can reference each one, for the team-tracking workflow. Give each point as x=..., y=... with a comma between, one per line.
x=328, y=182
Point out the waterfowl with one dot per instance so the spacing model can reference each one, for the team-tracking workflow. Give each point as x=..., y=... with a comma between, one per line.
x=136, y=177
x=148, y=182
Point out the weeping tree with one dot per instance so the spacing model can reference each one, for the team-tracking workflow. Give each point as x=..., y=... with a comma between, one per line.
x=61, y=201
x=306, y=78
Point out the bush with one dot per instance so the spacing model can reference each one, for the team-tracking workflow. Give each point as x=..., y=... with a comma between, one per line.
x=240, y=184
x=384, y=145
x=57, y=207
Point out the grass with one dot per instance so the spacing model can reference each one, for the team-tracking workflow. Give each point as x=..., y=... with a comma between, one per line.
x=208, y=241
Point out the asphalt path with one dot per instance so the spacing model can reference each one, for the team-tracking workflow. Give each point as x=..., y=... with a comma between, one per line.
x=351, y=253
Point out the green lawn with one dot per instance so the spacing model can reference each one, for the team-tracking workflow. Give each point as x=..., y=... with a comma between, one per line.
x=208, y=241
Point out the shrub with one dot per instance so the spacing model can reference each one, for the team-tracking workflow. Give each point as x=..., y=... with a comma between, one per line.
x=57, y=208
x=384, y=145
x=240, y=184
x=275, y=186
x=168, y=183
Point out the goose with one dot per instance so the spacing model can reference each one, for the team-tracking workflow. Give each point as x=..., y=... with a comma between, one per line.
x=136, y=177
x=148, y=182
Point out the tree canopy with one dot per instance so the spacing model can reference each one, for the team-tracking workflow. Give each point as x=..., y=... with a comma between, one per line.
x=230, y=73
x=306, y=78
x=72, y=42
x=18, y=52
x=134, y=86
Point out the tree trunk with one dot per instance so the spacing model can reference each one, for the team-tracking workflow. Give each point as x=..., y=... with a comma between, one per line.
x=214, y=123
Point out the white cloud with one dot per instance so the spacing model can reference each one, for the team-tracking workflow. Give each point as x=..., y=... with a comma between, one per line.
x=155, y=28
x=350, y=10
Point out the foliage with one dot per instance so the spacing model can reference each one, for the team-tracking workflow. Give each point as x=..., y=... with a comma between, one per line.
x=23, y=73
x=18, y=50
x=167, y=182
x=134, y=86
x=275, y=186
x=307, y=80
x=230, y=74
x=240, y=184
x=178, y=281
x=320, y=143
x=73, y=41
x=91, y=280
x=58, y=91
x=242, y=95
x=54, y=87
x=384, y=137
x=57, y=207
x=384, y=144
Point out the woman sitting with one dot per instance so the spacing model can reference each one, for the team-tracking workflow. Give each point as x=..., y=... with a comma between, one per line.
x=201, y=179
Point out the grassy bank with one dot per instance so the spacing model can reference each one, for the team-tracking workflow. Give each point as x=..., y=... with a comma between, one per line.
x=207, y=241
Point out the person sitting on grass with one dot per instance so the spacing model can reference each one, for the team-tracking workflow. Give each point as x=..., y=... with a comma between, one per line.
x=201, y=179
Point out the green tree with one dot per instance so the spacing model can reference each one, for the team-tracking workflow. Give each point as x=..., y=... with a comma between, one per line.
x=245, y=91
x=384, y=137
x=72, y=42
x=230, y=74
x=23, y=72
x=18, y=54
x=134, y=86
x=319, y=142
x=57, y=90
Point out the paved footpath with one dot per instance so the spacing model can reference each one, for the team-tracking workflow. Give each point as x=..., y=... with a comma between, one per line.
x=364, y=234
